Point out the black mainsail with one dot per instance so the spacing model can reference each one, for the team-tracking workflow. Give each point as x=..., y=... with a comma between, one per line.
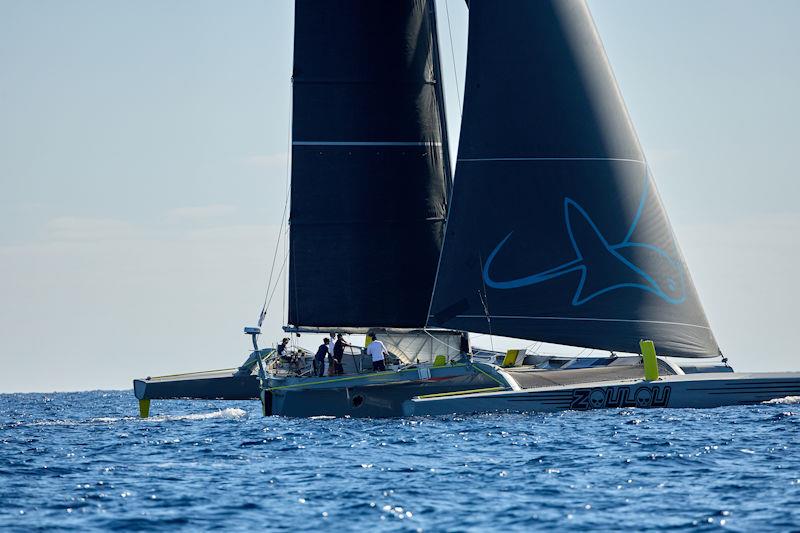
x=556, y=231
x=370, y=175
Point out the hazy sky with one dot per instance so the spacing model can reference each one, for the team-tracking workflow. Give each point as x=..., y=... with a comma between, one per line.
x=143, y=162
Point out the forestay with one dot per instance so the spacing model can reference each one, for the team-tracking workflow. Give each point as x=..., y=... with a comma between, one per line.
x=556, y=231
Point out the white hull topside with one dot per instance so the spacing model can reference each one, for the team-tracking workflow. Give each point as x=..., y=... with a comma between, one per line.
x=702, y=390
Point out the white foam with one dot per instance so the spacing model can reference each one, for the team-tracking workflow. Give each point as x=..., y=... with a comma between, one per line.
x=77, y=422
x=51, y=423
x=786, y=400
x=105, y=419
x=230, y=412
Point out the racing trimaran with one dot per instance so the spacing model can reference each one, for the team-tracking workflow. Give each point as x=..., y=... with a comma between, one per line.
x=552, y=230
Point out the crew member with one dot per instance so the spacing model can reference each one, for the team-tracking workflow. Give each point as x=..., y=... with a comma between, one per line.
x=329, y=361
x=282, y=347
x=338, y=355
x=378, y=352
x=319, y=357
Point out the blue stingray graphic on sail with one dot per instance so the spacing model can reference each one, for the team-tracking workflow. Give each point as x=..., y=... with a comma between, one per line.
x=605, y=267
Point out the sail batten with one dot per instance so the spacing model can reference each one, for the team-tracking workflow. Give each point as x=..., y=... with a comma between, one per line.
x=556, y=231
x=584, y=319
x=484, y=159
x=365, y=143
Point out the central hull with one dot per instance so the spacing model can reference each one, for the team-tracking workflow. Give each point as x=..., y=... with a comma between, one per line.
x=374, y=395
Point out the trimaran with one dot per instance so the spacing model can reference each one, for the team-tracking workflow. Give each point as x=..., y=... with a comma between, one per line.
x=552, y=231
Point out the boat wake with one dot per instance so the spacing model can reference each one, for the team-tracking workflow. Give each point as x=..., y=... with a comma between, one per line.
x=230, y=412
x=788, y=400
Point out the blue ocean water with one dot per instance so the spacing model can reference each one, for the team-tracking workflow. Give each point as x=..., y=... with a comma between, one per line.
x=83, y=461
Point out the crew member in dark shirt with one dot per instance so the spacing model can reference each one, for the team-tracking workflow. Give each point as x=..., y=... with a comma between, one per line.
x=282, y=347
x=319, y=357
x=338, y=355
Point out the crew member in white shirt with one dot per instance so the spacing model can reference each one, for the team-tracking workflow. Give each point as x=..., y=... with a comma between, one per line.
x=329, y=359
x=378, y=352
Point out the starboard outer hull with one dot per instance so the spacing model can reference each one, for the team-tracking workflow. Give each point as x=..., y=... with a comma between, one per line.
x=679, y=391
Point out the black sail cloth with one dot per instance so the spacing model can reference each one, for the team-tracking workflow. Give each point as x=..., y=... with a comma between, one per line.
x=556, y=231
x=370, y=175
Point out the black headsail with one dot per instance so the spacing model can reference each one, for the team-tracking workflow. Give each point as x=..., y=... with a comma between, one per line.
x=370, y=174
x=556, y=231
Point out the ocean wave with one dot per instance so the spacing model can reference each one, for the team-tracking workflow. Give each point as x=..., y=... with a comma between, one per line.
x=91, y=464
x=784, y=401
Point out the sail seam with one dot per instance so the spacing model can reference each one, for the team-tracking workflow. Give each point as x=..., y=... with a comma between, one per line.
x=365, y=143
x=390, y=82
x=371, y=221
x=586, y=319
x=481, y=159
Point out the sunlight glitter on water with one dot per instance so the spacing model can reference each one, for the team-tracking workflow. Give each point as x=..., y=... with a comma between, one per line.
x=82, y=461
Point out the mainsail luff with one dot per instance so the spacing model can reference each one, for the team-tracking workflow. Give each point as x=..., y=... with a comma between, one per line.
x=574, y=246
x=436, y=57
x=369, y=164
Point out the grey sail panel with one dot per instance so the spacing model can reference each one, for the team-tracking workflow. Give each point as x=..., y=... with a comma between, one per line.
x=370, y=176
x=556, y=231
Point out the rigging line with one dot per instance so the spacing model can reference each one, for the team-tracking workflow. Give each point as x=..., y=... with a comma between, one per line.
x=453, y=56
x=428, y=333
x=267, y=297
x=275, y=288
x=274, y=258
x=488, y=318
x=485, y=304
x=285, y=281
x=530, y=347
